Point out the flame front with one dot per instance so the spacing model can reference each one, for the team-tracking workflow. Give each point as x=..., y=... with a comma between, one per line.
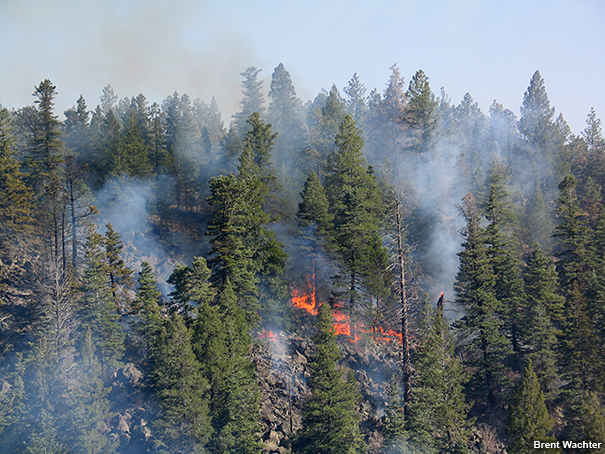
x=342, y=322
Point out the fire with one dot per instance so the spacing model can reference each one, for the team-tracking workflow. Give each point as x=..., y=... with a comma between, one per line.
x=341, y=323
x=268, y=335
x=307, y=301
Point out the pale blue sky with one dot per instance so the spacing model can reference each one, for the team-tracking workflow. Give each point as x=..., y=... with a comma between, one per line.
x=487, y=48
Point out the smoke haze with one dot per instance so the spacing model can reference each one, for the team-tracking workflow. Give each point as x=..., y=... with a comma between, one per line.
x=200, y=47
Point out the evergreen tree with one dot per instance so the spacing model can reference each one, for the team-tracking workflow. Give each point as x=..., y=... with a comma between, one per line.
x=252, y=100
x=16, y=222
x=394, y=432
x=183, y=424
x=356, y=102
x=191, y=287
x=474, y=287
x=222, y=341
x=420, y=116
x=538, y=222
x=357, y=207
x=130, y=156
x=89, y=414
x=313, y=210
x=118, y=274
x=97, y=308
x=244, y=251
x=542, y=314
x=508, y=283
x=77, y=128
x=327, y=123
x=528, y=419
x=285, y=114
x=437, y=410
x=146, y=308
x=43, y=158
x=330, y=418
x=538, y=127
x=573, y=235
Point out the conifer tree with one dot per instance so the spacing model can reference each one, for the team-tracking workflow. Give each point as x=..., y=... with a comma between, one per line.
x=330, y=418
x=244, y=251
x=420, y=116
x=313, y=210
x=508, y=283
x=322, y=133
x=148, y=295
x=437, y=410
x=90, y=414
x=146, y=309
x=176, y=377
x=285, y=114
x=118, y=274
x=191, y=286
x=77, y=128
x=222, y=343
x=130, y=155
x=528, y=419
x=356, y=100
x=573, y=233
x=43, y=157
x=542, y=314
x=97, y=308
x=474, y=287
x=252, y=100
x=16, y=207
x=395, y=434
x=356, y=204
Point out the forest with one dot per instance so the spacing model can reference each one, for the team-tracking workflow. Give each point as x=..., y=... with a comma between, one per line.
x=374, y=272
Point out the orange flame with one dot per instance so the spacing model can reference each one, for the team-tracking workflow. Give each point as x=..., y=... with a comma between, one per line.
x=306, y=301
x=268, y=335
x=342, y=323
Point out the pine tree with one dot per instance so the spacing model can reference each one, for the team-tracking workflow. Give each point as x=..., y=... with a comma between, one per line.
x=285, y=113
x=508, y=283
x=528, y=419
x=191, y=287
x=77, y=128
x=322, y=133
x=313, y=210
x=252, y=100
x=395, y=435
x=420, y=116
x=244, y=250
x=474, y=287
x=357, y=207
x=183, y=424
x=130, y=156
x=89, y=414
x=43, y=158
x=146, y=309
x=222, y=340
x=437, y=410
x=118, y=274
x=97, y=308
x=538, y=127
x=542, y=314
x=330, y=418
x=356, y=102
x=16, y=218
x=573, y=235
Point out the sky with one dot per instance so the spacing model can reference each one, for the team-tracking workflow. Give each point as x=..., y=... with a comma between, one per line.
x=489, y=49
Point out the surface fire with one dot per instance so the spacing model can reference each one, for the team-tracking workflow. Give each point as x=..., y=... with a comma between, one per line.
x=307, y=300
